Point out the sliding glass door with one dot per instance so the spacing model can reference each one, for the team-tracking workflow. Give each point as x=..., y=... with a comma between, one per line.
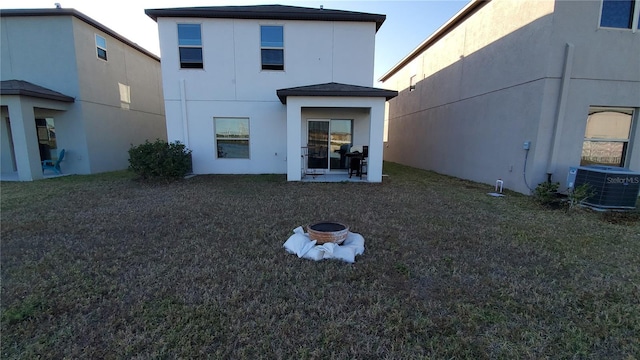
x=328, y=143
x=318, y=144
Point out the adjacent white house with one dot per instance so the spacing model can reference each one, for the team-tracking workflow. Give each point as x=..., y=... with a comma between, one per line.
x=520, y=91
x=272, y=89
x=69, y=82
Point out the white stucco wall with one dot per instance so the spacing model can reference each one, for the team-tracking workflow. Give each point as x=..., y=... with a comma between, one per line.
x=315, y=52
x=489, y=85
x=301, y=108
x=232, y=83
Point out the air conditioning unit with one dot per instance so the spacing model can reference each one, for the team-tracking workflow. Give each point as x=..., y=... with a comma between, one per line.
x=613, y=187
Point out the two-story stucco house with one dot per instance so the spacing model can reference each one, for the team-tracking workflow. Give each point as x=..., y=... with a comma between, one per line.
x=272, y=89
x=69, y=82
x=521, y=91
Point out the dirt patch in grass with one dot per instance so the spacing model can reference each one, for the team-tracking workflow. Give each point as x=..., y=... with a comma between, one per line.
x=106, y=267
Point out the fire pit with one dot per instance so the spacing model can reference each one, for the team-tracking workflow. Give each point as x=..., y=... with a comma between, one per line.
x=326, y=231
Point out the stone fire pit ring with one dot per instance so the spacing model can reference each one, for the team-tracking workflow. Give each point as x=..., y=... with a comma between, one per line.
x=328, y=231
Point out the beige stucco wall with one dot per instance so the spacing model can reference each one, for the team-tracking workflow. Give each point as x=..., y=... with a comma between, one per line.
x=41, y=50
x=59, y=53
x=112, y=126
x=490, y=85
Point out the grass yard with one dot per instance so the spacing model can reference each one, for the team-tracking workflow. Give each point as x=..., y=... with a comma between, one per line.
x=107, y=267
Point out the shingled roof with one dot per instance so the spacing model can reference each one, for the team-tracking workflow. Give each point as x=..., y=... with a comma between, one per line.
x=270, y=12
x=335, y=89
x=25, y=88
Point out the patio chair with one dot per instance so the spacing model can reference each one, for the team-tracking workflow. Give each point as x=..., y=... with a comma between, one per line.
x=53, y=165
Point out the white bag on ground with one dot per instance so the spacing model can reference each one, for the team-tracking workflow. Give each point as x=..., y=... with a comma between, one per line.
x=300, y=244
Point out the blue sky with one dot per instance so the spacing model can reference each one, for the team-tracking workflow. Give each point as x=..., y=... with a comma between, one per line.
x=408, y=22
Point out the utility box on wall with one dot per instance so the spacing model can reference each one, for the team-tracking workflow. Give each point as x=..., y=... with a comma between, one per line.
x=613, y=187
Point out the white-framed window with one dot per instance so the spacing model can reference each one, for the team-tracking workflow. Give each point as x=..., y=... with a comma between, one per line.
x=232, y=137
x=412, y=82
x=272, y=47
x=101, y=47
x=620, y=14
x=190, y=46
x=125, y=96
x=607, y=136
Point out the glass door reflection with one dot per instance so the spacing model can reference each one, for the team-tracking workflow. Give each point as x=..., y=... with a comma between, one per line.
x=318, y=143
x=340, y=137
x=328, y=143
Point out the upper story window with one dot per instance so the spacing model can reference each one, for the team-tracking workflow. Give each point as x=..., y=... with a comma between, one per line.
x=272, y=47
x=101, y=47
x=190, y=46
x=621, y=14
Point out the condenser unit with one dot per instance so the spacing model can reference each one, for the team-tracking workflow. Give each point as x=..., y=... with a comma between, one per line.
x=613, y=187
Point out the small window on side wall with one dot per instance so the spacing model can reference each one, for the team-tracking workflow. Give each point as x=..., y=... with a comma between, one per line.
x=101, y=47
x=412, y=83
x=232, y=138
x=272, y=47
x=190, y=46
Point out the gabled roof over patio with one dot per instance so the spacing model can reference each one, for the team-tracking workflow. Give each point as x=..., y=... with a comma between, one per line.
x=25, y=88
x=335, y=89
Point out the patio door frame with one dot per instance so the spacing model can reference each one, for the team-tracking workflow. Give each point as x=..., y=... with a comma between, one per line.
x=328, y=168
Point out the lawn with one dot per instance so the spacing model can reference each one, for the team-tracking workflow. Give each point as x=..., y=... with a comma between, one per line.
x=107, y=267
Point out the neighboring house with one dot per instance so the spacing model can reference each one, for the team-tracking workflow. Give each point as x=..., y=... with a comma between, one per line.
x=520, y=91
x=272, y=89
x=69, y=82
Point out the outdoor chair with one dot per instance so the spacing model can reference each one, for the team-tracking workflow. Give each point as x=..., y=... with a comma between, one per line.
x=354, y=164
x=53, y=165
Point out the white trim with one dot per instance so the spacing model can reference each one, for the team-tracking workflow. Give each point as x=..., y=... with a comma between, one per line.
x=100, y=47
x=271, y=47
x=634, y=19
x=185, y=119
x=215, y=136
x=628, y=140
x=412, y=82
x=201, y=46
x=328, y=169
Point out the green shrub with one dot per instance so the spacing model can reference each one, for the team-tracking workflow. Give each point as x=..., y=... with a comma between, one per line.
x=579, y=194
x=160, y=160
x=546, y=193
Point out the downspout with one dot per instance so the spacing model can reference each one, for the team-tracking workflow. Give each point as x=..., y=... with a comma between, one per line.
x=185, y=121
x=562, y=109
